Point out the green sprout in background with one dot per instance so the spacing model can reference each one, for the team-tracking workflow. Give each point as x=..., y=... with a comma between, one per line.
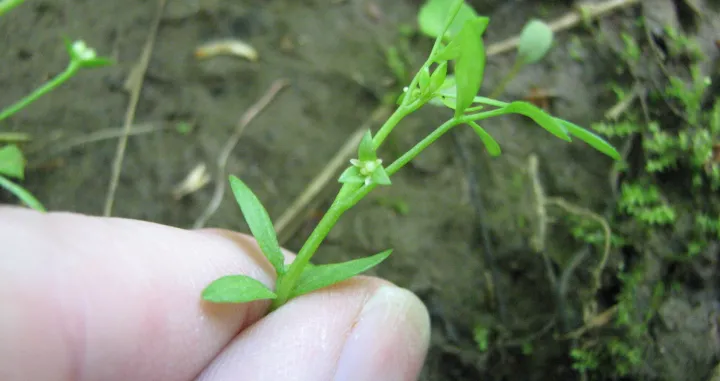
x=12, y=160
x=459, y=41
x=7, y=5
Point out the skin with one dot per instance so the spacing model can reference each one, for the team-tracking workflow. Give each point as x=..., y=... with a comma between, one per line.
x=90, y=298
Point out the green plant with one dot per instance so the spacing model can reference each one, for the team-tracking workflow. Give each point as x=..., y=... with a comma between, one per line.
x=7, y=5
x=12, y=160
x=667, y=199
x=481, y=335
x=584, y=359
x=463, y=46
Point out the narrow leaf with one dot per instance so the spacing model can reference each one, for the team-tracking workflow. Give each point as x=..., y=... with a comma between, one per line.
x=591, y=139
x=98, y=62
x=535, y=41
x=490, y=144
x=236, y=289
x=424, y=79
x=470, y=64
x=401, y=98
x=380, y=176
x=12, y=162
x=26, y=197
x=540, y=117
x=317, y=277
x=352, y=175
x=366, y=148
x=450, y=103
x=259, y=222
x=437, y=79
x=447, y=53
x=448, y=90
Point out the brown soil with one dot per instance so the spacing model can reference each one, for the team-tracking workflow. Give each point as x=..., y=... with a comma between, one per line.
x=332, y=56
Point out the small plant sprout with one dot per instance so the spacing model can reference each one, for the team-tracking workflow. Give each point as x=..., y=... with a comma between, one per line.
x=536, y=39
x=12, y=161
x=458, y=44
x=81, y=56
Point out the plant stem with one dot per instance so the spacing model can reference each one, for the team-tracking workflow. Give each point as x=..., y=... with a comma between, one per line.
x=419, y=147
x=7, y=5
x=21, y=193
x=288, y=281
x=349, y=196
x=409, y=105
x=490, y=102
x=69, y=71
x=346, y=198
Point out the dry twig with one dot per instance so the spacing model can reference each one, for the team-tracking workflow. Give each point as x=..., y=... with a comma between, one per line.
x=50, y=148
x=133, y=83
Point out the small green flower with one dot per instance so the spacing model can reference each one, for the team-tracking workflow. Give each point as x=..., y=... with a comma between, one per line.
x=83, y=56
x=367, y=168
x=82, y=52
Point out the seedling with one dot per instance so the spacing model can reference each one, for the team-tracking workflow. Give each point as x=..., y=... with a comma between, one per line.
x=536, y=40
x=12, y=160
x=463, y=46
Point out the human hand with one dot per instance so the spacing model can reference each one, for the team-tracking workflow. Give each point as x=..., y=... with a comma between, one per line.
x=89, y=298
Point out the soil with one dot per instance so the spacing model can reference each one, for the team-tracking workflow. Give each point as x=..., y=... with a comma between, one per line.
x=332, y=55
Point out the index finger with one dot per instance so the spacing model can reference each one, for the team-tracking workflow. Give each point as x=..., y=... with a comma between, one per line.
x=113, y=299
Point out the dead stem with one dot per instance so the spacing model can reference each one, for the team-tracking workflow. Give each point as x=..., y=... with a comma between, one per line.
x=52, y=147
x=574, y=209
x=538, y=240
x=133, y=84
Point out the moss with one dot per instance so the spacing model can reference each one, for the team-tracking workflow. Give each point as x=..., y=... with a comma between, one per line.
x=667, y=200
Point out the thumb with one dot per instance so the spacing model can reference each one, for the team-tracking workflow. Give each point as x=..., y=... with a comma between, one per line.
x=361, y=329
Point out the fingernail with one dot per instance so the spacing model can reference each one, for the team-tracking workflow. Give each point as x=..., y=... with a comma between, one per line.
x=389, y=340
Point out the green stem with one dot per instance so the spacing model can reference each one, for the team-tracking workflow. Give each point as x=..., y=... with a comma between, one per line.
x=7, y=5
x=482, y=115
x=69, y=71
x=419, y=147
x=409, y=105
x=348, y=196
x=290, y=278
x=490, y=102
x=20, y=192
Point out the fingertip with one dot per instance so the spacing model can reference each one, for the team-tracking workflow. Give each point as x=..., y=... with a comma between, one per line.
x=389, y=340
x=361, y=329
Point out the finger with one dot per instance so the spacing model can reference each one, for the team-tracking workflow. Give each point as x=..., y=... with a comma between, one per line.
x=363, y=329
x=113, y=299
